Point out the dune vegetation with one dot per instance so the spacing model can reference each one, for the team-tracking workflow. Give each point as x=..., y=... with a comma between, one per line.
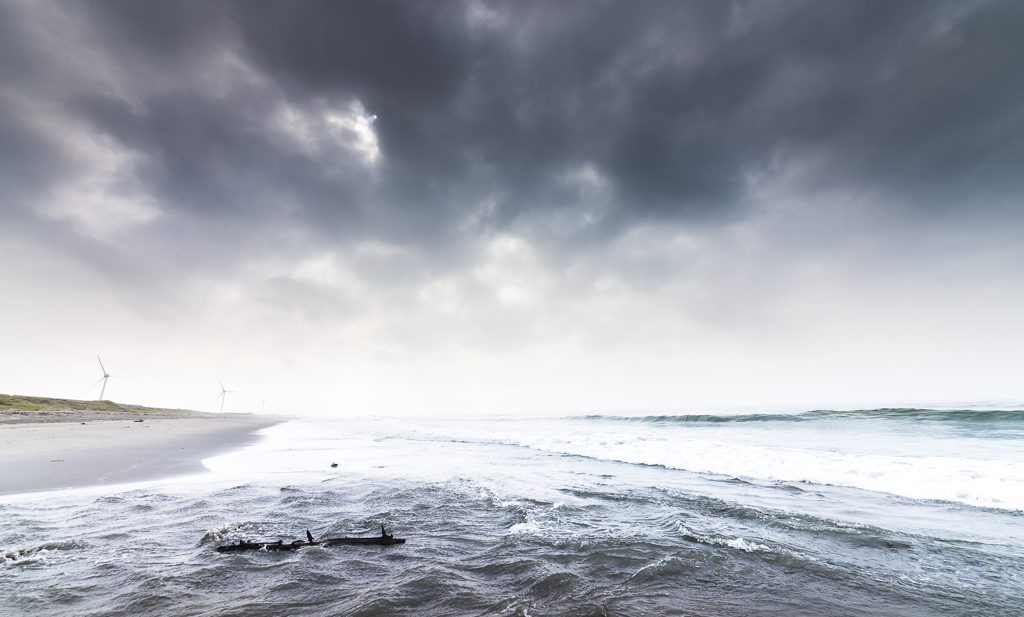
x=10, y=402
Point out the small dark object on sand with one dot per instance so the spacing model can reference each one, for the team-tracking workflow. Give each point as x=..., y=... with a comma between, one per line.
x=139, y=420
x=334, y=464
x=245, y=545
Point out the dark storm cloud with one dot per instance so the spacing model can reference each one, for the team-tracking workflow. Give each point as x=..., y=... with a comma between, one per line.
x=673, y=101
x=673, y=105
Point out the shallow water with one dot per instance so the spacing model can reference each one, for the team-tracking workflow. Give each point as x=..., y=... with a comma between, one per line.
x=888, y=512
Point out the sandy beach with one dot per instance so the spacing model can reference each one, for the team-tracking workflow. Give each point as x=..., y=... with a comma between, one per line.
x=62, y=449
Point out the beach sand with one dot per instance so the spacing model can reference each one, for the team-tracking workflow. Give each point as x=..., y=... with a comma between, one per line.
x=51, y=450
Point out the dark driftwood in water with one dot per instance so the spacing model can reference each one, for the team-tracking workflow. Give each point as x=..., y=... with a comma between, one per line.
x=265, y=546
x=383, y=540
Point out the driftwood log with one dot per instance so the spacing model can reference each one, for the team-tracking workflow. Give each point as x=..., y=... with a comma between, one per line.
x=243, y=545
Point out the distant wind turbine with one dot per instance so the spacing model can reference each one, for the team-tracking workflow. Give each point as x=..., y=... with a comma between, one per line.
x=104, y=379
x=222, y=396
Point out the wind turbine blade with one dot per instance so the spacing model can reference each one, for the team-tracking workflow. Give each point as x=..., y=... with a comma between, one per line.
x=94, y=385
x=221, y=385
x=214, y=400
x=101, y=365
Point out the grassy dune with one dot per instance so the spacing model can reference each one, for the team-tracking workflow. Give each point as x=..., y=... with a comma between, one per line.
x=36, y=403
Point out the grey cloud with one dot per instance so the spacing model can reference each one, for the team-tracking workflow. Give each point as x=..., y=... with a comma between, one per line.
x=673, y=104
x=905, y=97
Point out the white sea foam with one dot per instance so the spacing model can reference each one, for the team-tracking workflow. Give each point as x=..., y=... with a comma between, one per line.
x=914, y=464
x=736, y=543
x=979, y=482
x=989, y=482
x=750, y=547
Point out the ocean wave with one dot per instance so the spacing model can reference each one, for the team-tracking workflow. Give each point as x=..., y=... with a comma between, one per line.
x=39, y=552
x=888, y=413
x=998, y=484
x=749, y=546
x=233, y=531
x=976, y=482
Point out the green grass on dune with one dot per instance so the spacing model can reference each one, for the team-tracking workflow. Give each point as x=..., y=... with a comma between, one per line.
x=37, y=403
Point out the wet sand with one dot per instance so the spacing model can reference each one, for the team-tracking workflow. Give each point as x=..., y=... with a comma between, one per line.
x=51, y=450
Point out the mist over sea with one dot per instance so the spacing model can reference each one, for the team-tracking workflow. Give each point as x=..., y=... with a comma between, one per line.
x=871, y=512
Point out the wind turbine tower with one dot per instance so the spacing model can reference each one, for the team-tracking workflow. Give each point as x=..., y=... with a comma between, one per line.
x=222, y=396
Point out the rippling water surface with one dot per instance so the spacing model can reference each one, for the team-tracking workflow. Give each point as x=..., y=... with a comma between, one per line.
x=884, y=512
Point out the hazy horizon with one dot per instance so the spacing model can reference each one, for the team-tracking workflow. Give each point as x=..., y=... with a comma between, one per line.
x=482, y=207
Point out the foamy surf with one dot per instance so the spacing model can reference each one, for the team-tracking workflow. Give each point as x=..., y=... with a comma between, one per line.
x=867, y=450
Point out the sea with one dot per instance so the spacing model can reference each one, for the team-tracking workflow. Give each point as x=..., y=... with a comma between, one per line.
x=719, y=513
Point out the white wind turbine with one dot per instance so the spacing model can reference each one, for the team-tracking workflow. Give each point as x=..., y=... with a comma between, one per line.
x=104, y=379
x=222, y=396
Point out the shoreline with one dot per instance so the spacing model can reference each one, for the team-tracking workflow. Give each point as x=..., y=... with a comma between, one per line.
x=65, y=449
x=60, y=416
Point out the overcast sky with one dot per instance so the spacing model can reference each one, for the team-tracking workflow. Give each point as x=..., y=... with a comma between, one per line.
x=512, y=207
